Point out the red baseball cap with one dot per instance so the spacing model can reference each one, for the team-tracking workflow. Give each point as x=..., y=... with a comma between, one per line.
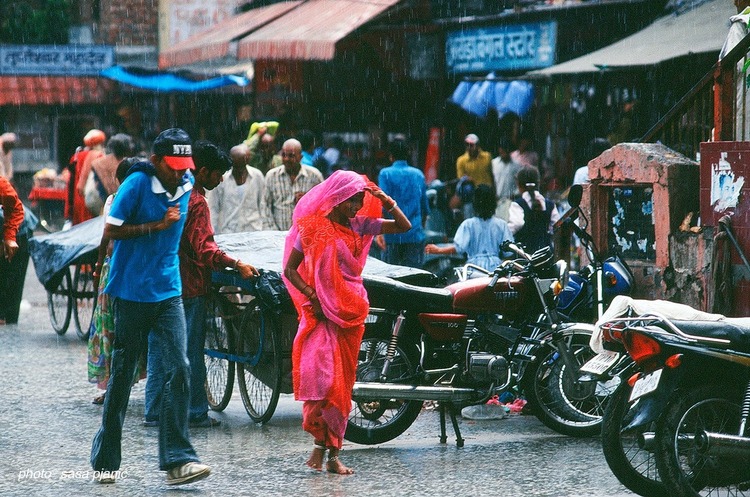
x=176, y=147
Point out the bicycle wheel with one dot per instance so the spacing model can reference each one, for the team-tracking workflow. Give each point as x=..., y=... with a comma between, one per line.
x=259, y=373
x=219, y=369
x=84, y=296
x=60, y=304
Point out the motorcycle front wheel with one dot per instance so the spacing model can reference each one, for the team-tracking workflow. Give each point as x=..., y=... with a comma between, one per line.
x=630, y=455
x=374, y=421
x=688, y=464
x=559, y=399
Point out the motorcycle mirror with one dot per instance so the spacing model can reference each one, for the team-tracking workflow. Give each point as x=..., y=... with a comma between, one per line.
x=574, y=195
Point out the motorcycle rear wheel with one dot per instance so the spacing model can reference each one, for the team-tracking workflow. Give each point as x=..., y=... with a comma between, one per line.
x=684, y=468
x=374, y=421
x=560, y=400
x=634, y=467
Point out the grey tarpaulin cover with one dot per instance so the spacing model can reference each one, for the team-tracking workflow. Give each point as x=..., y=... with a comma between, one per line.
x=55, y=252
x=263, y=249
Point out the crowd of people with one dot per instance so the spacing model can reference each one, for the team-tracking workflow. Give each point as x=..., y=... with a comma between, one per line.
x=157, y=253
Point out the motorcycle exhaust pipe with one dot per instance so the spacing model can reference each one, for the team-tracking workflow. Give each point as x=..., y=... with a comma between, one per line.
x=374, y=390
x=721, y=444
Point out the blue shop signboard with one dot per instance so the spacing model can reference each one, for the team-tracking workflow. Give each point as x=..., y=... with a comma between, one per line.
x=69, y=60
x=498, y=48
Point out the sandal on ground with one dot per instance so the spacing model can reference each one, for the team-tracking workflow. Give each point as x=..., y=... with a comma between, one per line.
x=99, y=399
x=317, y=466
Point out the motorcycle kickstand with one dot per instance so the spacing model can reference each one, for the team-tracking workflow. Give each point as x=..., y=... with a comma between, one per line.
x=443, y=437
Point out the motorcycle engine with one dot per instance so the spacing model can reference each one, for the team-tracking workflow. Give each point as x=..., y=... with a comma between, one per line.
x=488, y=368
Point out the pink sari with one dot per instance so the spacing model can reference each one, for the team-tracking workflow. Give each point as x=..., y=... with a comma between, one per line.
x=324, y=355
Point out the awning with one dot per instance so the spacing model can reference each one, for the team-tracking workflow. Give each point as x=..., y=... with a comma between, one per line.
x=215, y=43
x=699, y=30
x=170, y=82
x=311, y=31
x=53, y=90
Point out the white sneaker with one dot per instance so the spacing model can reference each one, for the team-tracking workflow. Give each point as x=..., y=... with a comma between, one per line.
x=187, y=473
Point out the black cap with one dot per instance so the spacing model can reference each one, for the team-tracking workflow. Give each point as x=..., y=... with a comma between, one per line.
x=175, y=145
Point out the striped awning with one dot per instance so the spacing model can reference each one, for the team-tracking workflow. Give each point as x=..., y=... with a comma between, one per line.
x=310, y=31
x=216, y=43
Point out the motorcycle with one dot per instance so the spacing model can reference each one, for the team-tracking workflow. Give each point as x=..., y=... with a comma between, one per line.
x=462, y=344
x=689, y=400
x=590, y=290
x=439, y=229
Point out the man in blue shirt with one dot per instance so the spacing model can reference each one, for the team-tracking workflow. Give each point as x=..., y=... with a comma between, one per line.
x=406, y=185
x=146, y=222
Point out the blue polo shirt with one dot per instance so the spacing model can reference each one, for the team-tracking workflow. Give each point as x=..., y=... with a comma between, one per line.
x=406, y=185
x=147, y=268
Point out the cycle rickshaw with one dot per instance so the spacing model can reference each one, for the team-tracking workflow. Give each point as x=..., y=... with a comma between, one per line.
x=252, y=324
x=64, y=263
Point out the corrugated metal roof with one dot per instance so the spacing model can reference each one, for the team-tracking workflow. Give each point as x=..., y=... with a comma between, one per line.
x=310, y=31
x=53, y=90
x=214, y=43
x=699, y=30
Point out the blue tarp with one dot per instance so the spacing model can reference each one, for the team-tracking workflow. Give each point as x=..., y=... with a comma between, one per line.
x=503, y=96
x=170, y=82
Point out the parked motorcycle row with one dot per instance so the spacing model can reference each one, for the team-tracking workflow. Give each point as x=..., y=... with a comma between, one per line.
x=677, y=424
x=524, y=328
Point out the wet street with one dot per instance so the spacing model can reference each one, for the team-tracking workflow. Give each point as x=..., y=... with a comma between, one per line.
x=48, y=421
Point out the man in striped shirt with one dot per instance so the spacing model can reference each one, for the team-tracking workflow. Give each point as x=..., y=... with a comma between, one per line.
x=285, y=185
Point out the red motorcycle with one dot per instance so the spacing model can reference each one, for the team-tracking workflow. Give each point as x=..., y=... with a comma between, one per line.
x=465, y=343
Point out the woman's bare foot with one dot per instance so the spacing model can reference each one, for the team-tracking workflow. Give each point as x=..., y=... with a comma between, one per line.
x=316, y=457
x=334, y=465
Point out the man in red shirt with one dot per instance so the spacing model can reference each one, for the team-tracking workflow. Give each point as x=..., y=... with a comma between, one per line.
x=199, y=257
x=10, y=295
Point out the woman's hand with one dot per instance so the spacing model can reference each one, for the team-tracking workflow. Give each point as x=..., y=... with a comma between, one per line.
x=379, y=194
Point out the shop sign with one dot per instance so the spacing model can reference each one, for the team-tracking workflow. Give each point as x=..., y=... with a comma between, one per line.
x=68, y=60
x=498, y=48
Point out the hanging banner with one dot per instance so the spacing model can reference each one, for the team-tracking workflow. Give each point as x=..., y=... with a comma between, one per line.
x=432, y=157
x=509, y=47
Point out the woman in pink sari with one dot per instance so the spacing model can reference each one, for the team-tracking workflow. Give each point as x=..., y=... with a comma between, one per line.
x=324, y=255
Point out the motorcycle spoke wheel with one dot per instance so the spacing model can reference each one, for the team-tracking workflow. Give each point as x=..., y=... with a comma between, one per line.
x=219, y=369
x=685, y=465
x=631, y=460
x=374, y=421
x=563, y=402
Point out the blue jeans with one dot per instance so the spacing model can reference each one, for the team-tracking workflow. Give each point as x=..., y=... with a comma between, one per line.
x=134, y=321
x=404, y=254
x=195, y=319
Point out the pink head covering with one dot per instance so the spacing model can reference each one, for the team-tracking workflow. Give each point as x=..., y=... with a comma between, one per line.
x=320, y=201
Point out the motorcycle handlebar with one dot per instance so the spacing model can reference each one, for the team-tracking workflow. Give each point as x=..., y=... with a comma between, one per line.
x=512, y=247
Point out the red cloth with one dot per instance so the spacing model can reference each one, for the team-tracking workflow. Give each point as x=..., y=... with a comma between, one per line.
x=199, y=253
x=12, y=209
x=80, y=211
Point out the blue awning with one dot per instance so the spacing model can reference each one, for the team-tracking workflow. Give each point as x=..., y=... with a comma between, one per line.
x=478, y=97
x=170, y=82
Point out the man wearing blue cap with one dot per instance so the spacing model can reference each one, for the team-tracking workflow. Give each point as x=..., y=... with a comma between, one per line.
x=146, y=222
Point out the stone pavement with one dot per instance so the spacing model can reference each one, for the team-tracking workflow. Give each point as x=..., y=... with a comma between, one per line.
x=47, y=422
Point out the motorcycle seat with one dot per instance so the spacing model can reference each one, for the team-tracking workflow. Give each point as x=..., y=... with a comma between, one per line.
x=391, y=294
x=736, y=330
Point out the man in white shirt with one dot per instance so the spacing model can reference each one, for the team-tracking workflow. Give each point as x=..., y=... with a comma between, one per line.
x=504, y=171
x=236, y=204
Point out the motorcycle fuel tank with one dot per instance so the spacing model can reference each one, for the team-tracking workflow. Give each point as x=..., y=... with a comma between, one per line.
x=509, y=297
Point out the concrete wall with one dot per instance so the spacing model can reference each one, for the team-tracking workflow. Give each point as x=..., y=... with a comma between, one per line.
x=678, y=269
